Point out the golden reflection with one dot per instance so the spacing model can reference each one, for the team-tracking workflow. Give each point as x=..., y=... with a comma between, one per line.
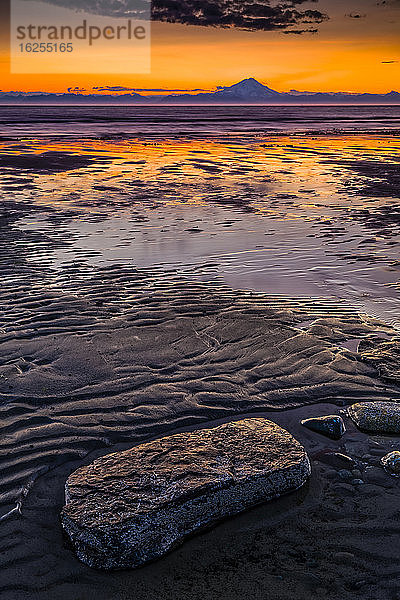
x=302, y=173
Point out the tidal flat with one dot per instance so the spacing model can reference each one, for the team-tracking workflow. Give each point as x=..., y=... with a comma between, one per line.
x=159, y=284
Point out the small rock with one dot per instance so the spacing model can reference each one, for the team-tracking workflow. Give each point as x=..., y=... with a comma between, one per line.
x=345, y=474
x=356, y=473
x=366, y=457
x=391, y=463
x=374, y=444
x=332, y=426
x=377, y=417
x=357, y=482
x=343, y=557
x=357, y=585
x=334, y=459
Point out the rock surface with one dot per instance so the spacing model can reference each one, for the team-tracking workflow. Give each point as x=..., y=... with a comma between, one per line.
x=391, y=463
x=131, y=507
x=384, y=355
x=377, y=417
x=331, y=425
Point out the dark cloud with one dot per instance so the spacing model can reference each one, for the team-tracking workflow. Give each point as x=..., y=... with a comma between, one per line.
x=113, y=88
x=254, y=15
x=299, y=31
x=261, y=15
x=118, y=88
x=355, y=16
x=170, y=91
x=389, y=62
x=109, y=8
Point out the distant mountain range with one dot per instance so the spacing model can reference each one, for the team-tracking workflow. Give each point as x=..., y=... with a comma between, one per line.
x=248, y=91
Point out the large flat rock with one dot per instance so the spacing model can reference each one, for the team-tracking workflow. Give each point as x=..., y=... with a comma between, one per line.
x=131, y=507
x=376, y=417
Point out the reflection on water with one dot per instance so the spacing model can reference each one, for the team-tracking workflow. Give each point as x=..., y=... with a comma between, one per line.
x=300, y=216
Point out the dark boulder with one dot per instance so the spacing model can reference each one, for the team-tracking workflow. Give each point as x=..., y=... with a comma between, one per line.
x=376, y=417
x=391, y=463
x=332, y=426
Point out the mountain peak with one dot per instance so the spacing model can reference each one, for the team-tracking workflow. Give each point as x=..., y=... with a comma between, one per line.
x=250, y=81
x=247, y=88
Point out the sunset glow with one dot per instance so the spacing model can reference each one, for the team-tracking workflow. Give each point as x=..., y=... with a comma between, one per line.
x=357, y=50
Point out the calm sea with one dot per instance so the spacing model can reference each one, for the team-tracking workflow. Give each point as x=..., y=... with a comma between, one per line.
x=120, y=121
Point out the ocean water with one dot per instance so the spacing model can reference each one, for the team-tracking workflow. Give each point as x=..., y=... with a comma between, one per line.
x=98, y=121
x=284, y=200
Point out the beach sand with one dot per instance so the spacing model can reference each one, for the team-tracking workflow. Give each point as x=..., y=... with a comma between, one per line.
x=139, y=298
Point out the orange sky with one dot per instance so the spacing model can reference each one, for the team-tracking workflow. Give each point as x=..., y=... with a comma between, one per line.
x=347, y=54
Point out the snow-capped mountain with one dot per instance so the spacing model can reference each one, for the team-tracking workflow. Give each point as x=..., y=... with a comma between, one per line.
x=248, y=89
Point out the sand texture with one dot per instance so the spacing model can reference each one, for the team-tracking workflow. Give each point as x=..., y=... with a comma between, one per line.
x=160, y=286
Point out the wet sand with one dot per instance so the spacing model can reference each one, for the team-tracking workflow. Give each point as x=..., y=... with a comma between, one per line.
x=127, y=314
x=304, y=216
